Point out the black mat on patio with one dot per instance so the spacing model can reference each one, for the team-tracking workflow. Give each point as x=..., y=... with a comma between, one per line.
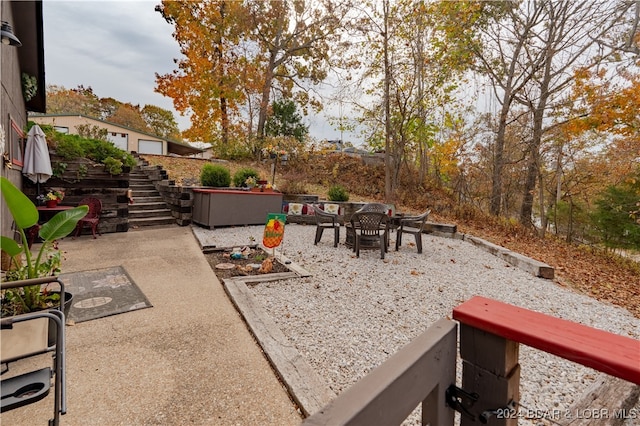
x=100, y=293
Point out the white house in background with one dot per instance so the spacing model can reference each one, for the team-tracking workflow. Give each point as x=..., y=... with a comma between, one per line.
x=123, y=137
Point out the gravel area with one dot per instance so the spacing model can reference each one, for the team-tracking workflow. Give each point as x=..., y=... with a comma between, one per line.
x=353, y=313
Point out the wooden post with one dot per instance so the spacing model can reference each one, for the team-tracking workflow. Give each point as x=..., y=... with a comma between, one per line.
x=490, y=368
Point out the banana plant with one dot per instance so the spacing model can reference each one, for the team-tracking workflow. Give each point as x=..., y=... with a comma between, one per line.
x=25, y=215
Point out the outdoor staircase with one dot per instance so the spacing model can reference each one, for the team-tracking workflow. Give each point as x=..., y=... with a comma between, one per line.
x=148, y=208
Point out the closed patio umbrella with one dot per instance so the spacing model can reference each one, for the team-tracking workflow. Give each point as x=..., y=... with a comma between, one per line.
x=37, y=164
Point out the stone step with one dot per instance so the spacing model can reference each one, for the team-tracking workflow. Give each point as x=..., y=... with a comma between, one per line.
x=141, y=186
x=148, y=213
x=142, y=193
x=157, y=205
x=151, y=221
x=155, y=199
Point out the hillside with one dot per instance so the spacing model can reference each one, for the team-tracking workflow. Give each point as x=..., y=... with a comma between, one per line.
x=600, y=275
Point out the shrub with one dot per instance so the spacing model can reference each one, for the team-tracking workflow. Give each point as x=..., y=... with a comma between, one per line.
x=215, y=175
x=112, y=165
x=338, y=193
x=241, y=175
x=70, y=147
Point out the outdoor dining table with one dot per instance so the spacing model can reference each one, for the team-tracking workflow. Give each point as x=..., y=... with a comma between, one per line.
x=46, y=212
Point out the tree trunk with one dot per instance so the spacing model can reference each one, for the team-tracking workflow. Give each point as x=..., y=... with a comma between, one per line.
x=224, y=113
x=264, y=101
x=543, y=210
x=388, y=166
x=498, y=158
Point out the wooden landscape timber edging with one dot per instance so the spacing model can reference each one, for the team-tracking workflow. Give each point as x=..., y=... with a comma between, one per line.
x=306, y=387
x=537, y=268
x=82, y=178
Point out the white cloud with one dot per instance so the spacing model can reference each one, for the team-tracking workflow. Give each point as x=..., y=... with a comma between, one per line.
x=116, y=48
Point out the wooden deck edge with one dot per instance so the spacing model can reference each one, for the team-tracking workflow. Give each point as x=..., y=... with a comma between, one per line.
x=294, y=267
x=304, y=385
x=535, y=267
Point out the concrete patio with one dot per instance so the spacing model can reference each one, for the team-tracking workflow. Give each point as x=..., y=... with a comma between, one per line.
x=189, y=359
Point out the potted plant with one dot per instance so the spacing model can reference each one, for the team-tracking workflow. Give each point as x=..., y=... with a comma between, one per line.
x=29, y=265
x=51, y=198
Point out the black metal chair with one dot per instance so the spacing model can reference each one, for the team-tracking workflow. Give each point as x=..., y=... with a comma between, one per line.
x=324, y=221
x=27, y=341
x=412, y=225
x=370, y=231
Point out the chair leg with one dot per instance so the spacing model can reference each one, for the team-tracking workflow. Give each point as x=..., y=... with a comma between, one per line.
x=336, y=237
x=419, y=242
x=93, y=230
x=356, y=246
x=383, y=246
x=319, y=231
x=398, y=239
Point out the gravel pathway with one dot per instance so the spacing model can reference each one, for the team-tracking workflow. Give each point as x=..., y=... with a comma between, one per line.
x=353, y=313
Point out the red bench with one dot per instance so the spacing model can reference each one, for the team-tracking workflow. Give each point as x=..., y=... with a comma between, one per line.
x=609, y=353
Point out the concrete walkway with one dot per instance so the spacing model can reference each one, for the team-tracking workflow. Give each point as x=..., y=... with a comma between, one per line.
x=188, y=360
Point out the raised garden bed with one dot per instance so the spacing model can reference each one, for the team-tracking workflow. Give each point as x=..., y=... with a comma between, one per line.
x=243, y=266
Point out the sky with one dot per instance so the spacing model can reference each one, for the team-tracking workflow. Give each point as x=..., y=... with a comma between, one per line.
x=116, y=47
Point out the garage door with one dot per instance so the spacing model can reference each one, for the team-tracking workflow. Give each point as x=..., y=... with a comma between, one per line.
x=121, y=140
x=149, y=147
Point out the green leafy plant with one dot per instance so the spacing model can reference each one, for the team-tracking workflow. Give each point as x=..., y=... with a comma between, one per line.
x=215, y=175
x=45, y=262
x=241, y=176
x=82, y=171
x=71, y=147
x=338, y=193
x=112, y=165
x=29, y=86
x=59, y=169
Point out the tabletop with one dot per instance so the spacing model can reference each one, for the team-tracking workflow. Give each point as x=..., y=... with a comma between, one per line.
x=53, y=209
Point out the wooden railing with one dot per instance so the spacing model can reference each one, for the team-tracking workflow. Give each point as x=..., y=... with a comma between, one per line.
x=490, y=334
x=419, y=373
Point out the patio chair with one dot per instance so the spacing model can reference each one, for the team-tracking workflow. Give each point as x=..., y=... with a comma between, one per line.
x=412, y=225
x=370, y=231
x=93, y=216
x=374, y=207
x=324, y=221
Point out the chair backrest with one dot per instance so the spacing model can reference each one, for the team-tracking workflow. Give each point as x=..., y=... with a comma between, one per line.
x=374, y=207
x=95, y=207
x=417, y=222
x=369, y=223
x=322, y=216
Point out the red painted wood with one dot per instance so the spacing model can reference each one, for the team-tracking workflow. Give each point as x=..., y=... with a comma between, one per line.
x=610, y=353
x=236, y=191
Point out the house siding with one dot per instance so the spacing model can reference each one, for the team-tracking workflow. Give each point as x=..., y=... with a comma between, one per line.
x=12, y=106
x=73, y=121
